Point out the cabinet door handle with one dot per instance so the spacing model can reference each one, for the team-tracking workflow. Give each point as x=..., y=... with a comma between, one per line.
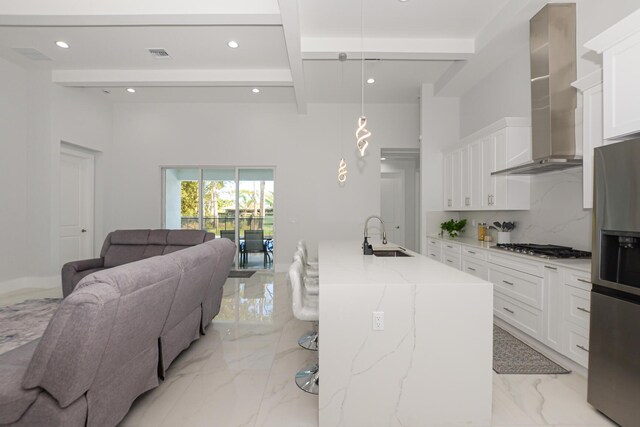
x=508, y=311
x=550, y=267
x=450, y=247
x=433, y=255
x=582, y=348
x=583, y=309
x=471, y=252
x=471, y=268
x=584, y=281
x=508, y=283
x=489, y=199
x=450, y=261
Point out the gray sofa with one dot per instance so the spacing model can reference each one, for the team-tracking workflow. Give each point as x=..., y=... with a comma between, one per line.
x=125, y=246
x=113, y=338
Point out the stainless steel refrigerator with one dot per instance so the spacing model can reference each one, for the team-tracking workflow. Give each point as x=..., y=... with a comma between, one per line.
x=614, y=342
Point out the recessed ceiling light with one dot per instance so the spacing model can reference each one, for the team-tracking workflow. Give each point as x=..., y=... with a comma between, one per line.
x=131, y=90
x=403, y=1
x=255, y=90
x=233, y=44
x=371, y=80
x=62, y=44
x=383, y=158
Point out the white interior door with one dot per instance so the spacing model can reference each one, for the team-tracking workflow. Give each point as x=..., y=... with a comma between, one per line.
x=76, y=205
x=392, y=206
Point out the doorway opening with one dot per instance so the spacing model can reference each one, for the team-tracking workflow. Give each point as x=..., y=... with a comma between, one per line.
x=400, y=195
x=236, y=203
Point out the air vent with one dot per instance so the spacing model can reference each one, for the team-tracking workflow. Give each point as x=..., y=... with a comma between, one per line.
x=159, y=53
x=32, y=54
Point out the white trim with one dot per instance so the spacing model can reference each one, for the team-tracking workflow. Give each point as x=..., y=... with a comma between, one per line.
x=588, y=81
x=623, y=29
x=27, y=282
x=496, y=126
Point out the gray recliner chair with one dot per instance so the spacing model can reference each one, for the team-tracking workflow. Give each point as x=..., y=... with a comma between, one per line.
x=125, y=246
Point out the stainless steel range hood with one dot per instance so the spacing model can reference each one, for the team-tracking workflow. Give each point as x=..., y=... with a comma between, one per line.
x=552, y=45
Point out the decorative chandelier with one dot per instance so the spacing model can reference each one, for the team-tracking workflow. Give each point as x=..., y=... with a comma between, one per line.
x=362, y=133
x=342, y=167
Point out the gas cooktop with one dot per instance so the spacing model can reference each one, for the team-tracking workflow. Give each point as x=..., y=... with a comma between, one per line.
x=543, y=251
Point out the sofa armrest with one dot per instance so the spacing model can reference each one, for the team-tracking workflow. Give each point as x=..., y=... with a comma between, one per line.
x=71, y=269
x=14, y=399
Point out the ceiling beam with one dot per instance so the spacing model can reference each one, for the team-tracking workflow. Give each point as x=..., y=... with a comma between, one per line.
x=388, y=48
x=291, y=28
x=140, y=12
x=173, y=78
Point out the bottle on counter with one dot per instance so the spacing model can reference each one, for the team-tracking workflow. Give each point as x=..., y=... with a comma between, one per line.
x=482, y=231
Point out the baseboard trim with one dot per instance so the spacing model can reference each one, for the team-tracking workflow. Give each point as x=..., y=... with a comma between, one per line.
x=561, y=359
x=27, y=282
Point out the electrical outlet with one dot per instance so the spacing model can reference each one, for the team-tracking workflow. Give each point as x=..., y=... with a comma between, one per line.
x=378, y=320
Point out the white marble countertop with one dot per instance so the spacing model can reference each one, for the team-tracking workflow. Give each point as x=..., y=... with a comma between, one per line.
x=419, y=358
x=583, y=265
x=342, y=262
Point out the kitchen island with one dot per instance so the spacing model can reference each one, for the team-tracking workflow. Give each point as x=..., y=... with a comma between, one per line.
x=431, y=365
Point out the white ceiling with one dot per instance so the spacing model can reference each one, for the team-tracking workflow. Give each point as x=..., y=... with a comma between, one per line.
x=291, y=56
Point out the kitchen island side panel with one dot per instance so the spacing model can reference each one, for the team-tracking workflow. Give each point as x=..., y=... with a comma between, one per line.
x=430, y=366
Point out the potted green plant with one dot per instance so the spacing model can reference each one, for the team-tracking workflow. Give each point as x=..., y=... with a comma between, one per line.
x=453, y=227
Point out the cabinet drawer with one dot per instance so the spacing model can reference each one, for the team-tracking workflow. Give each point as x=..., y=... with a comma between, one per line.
x=435, y=243
x=578, y=279
x=475, y=267
x=515, y=262
x=452, y=259
x=434, y=254
x=520, y=286
x=528, y=320
x=470, y=252
x=576, y=344
x=577, y=306
x=451, y=247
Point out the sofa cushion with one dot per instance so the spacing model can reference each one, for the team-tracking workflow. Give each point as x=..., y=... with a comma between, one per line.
x=130, y=237
x=185, y=237
x=123, y=254
x=158, y=237
x=69, y=352
x=152, y=250
x=14, y=399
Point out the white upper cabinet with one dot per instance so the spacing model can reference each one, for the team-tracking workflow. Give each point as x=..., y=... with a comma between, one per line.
x=589, y=124
x=620, y=47
x=504, y=144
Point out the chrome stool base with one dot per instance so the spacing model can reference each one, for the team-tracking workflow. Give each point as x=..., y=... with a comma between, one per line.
x=309, y=341
x=308, y=379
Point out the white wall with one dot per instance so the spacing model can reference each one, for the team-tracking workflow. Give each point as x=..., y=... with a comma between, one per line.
x=304, y=149
x=35, y=117
x=556, y=214
x=439, y=127
x=13, y=171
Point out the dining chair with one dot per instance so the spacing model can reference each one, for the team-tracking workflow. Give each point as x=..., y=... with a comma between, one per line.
x=254, y=243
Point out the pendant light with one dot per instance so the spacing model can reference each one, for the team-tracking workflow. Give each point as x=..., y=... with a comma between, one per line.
x=362, y=133
x=342, y=167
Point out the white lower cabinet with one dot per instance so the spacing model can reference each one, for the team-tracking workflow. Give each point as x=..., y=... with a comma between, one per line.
x=434, y=249
x=545, y=301
x=552, y=333
x=529, y=320
x=475, y=267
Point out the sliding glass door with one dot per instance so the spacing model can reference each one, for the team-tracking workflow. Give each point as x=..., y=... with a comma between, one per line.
x=234, y=203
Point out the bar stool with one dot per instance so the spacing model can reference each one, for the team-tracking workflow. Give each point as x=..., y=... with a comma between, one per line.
x=302, y=246
x=305, y=307
x=310, y=280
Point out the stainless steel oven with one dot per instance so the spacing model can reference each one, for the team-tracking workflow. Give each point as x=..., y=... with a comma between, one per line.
x=614, y=342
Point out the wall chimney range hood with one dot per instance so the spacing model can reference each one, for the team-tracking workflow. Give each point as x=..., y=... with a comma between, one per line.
x=552, y=46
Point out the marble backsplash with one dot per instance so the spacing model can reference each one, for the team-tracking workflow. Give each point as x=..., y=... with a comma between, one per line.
x=556, y=215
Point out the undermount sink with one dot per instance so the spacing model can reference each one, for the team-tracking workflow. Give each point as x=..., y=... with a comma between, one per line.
x=391, y=253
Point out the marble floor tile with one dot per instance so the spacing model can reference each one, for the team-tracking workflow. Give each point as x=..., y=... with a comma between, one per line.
x=241, y=374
